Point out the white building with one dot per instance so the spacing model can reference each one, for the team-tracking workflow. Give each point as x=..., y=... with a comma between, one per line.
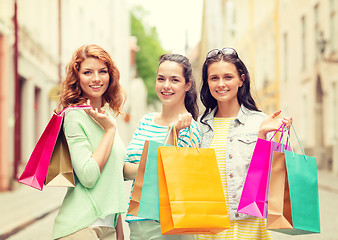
x=48, y=33
x=280, y=42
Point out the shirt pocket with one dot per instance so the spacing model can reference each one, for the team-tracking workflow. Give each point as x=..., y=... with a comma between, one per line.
x=246, y=145
x=248, y=139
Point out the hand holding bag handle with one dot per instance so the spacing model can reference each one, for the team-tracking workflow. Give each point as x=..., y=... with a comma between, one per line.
x=283, y=125
x=191, y=137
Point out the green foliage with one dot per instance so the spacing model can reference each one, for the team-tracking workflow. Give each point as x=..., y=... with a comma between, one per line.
x=149, y=53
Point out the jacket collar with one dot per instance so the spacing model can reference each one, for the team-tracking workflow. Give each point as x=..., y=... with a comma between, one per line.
x=241, y=116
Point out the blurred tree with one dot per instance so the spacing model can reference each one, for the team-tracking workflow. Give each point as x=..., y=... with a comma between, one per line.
x=149, y=53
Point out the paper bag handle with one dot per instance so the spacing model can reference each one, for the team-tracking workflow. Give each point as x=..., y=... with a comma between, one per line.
x=281, y=139
x=67, y=109
x=173, y=129
x=298, y=142
x=192, y=137
x=282, y=125
x=170, y=128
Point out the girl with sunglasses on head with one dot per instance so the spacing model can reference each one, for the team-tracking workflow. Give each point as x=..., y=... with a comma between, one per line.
x=91, y=210
x=176, y=89
x=231, y=124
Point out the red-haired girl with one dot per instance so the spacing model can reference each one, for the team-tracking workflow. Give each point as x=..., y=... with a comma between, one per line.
x=91, y=210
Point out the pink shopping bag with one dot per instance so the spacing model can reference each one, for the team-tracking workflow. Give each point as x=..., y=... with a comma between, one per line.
x=254, y=198
x=36, y=169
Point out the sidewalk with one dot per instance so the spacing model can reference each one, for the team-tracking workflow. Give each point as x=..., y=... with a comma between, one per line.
x=327, y=181
x=25, y=205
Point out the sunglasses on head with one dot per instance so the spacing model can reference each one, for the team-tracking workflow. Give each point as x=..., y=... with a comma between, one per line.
x=224, y=51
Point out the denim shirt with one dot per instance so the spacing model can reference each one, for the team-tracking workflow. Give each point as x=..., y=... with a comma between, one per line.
x=240, y=144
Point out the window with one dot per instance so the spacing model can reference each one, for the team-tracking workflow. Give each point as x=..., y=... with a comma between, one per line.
x=230, y=13
x=316, y=32
x=304, y=119
x=37, y=119
x=285, y=40
x=334, y=110
x=333, y=26
x=303, y=43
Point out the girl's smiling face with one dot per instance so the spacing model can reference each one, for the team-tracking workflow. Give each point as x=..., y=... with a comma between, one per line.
x=94, y=79
x=224, y=81
x=171, y=85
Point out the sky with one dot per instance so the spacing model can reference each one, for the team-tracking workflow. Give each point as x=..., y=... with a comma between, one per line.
x=175, y=21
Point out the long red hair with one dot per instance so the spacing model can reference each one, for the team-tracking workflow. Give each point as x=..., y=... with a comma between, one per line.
x=71, y=92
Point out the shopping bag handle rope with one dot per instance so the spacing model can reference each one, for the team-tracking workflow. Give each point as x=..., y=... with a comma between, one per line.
x=175, y=136
x=281, y=140
x=298, y=141
x=281, y=136
x=191, y=136
x=170, y=128
x=173, y=129
x=282, y=125
x=67, y=109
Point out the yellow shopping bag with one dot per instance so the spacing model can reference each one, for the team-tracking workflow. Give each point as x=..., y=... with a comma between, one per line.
x=190, y=191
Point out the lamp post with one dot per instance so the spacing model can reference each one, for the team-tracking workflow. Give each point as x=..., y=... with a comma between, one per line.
x=322, y=43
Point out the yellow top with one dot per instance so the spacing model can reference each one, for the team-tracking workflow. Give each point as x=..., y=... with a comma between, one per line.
x=250, y=228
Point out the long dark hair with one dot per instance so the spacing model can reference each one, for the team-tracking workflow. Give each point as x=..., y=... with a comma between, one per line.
x=243, y=95
x=190, y=100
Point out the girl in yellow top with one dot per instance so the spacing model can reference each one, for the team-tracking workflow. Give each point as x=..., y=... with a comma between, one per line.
x=231, y=124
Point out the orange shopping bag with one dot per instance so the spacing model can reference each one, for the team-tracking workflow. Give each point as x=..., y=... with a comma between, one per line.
x=190, y=191
x=135, y=199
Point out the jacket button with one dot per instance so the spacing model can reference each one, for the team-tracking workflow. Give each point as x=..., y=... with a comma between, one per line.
x=231, y=139
x=236, y=215
x=236, y=124
x=231, y=176
x=230, y=156
x=234, y=196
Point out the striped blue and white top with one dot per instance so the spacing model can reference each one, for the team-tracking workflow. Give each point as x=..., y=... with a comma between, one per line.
x=148, y=130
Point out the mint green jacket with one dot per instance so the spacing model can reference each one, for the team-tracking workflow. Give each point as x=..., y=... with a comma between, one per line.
x=96, y=194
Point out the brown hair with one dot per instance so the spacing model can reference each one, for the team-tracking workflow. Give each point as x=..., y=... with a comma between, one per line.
x=243, y=95
x=71, y=92
x=190, y=100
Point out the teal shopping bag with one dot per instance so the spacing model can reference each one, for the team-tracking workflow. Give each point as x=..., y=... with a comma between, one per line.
x=303, y=186
x=149, y=203
x=296, y=209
